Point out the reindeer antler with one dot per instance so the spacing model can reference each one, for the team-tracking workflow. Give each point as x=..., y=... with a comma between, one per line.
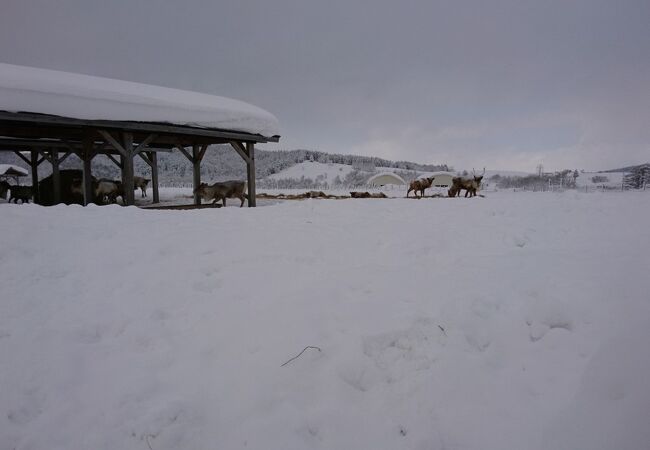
x=483, y=171
x=473, y=172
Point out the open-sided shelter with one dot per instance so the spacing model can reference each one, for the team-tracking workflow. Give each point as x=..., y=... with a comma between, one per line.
x=47, y=115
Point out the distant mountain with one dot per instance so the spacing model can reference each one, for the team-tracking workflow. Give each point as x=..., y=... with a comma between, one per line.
x=221, y=162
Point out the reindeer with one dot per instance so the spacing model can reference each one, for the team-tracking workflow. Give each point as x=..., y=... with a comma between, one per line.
x=471, y=186
x=367, y=195
x=4, y=187
x=221, y=191
x=22, y=193
x=107, y=191
x=142, y=183
x=419, y=185
x=119, y=192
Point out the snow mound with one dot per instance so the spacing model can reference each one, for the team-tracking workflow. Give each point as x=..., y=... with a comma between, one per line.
x=29, y=89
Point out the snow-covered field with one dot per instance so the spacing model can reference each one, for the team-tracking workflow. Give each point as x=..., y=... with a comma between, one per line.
x=515, y=321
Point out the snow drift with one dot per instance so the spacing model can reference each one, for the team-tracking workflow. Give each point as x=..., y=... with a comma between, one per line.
x=525, y=328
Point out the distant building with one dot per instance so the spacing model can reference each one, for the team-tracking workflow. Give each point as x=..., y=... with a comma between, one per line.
x=441, y=179
x=384, y=178
x=10, y=171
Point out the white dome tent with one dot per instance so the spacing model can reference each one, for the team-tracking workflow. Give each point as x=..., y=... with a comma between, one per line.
x=386, y=178
x=441, y=179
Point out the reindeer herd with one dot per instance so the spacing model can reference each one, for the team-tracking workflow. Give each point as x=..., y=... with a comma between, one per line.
x=470, y=185
x=107, y=191
x=104, y=191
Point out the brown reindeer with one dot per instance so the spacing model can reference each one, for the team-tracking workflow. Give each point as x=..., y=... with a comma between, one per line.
x=221, y=191
x=142, y=183
x=419, y=186
x=107, y=191
x=356, y=194
x=471, y=185
x=22, y=193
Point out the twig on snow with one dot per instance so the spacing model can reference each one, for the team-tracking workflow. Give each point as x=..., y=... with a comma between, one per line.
x=148, y=443
x=443, y=330
x=303, y=351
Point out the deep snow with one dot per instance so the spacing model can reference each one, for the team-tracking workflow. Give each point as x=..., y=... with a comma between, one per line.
x=515, y=321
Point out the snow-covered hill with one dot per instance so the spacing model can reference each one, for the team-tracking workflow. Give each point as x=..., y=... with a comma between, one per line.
x=515, y=321
x=314, y=170
x=597, y=179
x=329, y=171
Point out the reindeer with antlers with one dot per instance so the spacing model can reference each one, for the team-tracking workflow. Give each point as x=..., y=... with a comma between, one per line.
x=471, y=185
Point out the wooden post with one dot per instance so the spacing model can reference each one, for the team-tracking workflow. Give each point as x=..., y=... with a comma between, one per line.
x=121, y=166
x=56, y=177
x=127, y=169
x=153, y=158
x=250, y=148
x=87, y=157
x=34, y=165
x=196, y=170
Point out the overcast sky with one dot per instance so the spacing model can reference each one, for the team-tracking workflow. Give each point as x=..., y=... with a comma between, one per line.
x=501, y=84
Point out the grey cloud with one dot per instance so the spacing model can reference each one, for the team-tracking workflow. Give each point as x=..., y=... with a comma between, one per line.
x=505, y=83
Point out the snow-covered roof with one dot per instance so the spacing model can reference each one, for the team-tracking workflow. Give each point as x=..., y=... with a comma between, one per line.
x=10, y=169
x=34, y=90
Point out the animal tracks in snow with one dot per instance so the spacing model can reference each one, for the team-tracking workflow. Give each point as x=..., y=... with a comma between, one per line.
x=392, y=355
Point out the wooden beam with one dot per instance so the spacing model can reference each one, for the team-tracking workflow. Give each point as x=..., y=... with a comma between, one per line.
x=27, y=144
x=65, y=155
x=143, y=145
x=56, y=178
x=196, y=172
x=114, y=159
x=183, y=151
x=41, y=120
x=127, y=162
x=88, y=154
x=162, y=143
x=202, y=151
x=250, y=147
x=34, y=166
x=111, y=140
x=145, y=157
x=239, y=148
x=23, y=157
x=47, y=157
x=154, y=176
